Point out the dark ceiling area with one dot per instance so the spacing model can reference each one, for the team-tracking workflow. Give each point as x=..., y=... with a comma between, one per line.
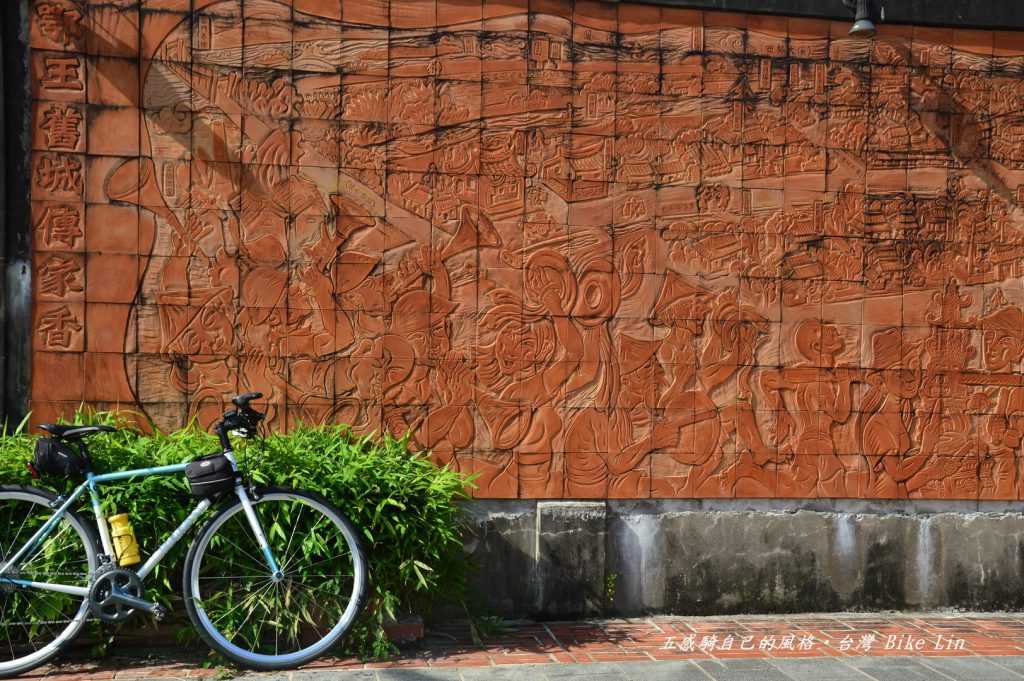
x=988, y=14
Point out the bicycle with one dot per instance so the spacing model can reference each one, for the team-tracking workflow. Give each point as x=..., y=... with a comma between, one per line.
x=273, y=579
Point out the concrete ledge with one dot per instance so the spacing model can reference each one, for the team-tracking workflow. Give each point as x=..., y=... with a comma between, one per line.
x=707, y=557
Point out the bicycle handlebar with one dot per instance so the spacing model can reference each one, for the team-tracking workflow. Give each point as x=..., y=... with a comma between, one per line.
x=243, y=420
x=242, y=401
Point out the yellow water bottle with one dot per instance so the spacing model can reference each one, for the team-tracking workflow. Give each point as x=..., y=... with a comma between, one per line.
x=126, y=548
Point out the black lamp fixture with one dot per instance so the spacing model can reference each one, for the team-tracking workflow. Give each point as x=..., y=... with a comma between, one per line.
x=863, y=26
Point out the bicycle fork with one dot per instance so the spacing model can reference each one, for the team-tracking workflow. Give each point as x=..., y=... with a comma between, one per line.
x=254, y=522
x=261, y=539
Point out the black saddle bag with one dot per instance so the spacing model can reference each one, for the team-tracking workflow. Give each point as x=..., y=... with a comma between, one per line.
x=210, y=476
x=54, y=458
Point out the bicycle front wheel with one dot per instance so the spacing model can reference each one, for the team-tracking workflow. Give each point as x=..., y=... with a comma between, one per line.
x=35, y=622
x=242, y=612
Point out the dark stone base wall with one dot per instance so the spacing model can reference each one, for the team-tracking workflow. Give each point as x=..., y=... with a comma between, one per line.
x=561, y=559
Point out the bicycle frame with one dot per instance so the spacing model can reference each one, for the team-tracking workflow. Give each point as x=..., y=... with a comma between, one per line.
x=92, y=483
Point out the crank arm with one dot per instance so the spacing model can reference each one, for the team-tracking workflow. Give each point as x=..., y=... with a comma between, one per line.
x=137, y=603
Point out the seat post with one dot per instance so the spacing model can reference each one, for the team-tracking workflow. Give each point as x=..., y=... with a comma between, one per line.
x=84, y=451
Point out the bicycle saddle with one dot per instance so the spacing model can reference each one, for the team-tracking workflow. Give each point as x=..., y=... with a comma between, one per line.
x=73, y=432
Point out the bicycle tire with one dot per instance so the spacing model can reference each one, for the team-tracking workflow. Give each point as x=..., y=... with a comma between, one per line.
x=20, y=665
x=194, y=565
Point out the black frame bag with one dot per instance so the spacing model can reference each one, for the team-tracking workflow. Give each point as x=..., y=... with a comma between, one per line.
x=210, y=475
x=56, y=458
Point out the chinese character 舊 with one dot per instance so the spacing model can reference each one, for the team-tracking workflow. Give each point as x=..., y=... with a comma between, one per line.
x=62, y=125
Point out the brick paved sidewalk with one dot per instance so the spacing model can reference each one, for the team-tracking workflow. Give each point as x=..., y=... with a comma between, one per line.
x=707, y=646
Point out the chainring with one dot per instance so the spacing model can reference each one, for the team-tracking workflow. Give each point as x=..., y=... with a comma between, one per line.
x=106, y=579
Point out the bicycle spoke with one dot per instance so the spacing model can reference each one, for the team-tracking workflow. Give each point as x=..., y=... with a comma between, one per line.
x=329, y=574
x=251, y=611
x=311, y=589
x=317, y=524
x=277, y=629
x=287, y=548
x=6, y=551
x=247, y=602
x=302, y=591
x=316, y=605
x=17, y=535
x=263, y=620
x=256, y=561
x=334, y=557
x=238, y=605
x=260, y=567
x=288, y=562
x=9, y=644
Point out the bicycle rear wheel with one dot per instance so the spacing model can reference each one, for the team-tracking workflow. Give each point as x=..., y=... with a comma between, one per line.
x=35, y=623
x=263, y=623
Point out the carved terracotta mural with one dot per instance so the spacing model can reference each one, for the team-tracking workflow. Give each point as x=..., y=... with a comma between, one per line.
x=583, y=250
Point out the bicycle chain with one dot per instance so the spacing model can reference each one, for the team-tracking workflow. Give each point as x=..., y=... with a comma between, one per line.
x=20, y=575
x=36, y=622
x=33, y=576
x=89, y=618
x=29, y=624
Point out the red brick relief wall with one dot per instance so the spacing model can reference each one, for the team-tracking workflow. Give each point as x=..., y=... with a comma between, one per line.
x=581, y=249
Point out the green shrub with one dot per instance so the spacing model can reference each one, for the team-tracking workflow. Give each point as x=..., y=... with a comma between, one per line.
x=406, y=507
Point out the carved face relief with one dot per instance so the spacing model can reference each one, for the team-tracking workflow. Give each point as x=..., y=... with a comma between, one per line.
x=521, y=347
x=1002, y=349
x=819, y=341
x=643, y=386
